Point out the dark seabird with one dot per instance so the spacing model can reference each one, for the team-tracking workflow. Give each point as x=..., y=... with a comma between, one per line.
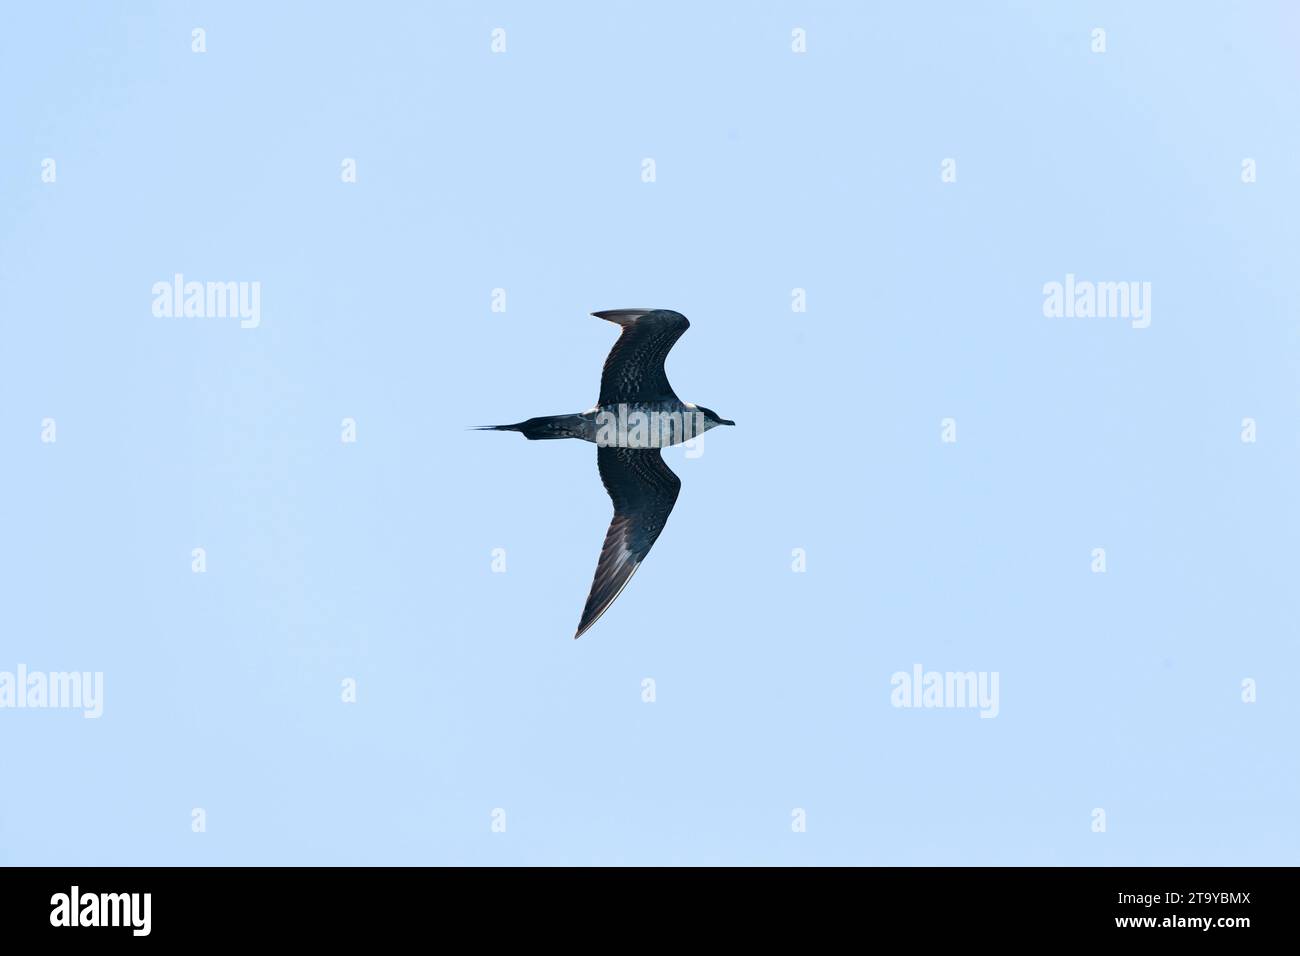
x=637, y=414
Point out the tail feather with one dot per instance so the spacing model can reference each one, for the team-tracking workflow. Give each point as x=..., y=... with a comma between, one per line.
x=546, y=426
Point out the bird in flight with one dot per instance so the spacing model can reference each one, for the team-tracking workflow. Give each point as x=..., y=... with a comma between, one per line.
x=637, y=414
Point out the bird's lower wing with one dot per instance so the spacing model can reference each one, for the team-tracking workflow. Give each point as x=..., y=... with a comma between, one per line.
x=643, y=490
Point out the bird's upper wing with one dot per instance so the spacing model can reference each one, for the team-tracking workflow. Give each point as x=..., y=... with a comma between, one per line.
x=644, y=491
x=634, y=370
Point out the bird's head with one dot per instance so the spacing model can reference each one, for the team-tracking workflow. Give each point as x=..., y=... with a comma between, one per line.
x=712, y=419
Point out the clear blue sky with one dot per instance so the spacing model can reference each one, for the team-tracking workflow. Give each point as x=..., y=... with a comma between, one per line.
x=774, y=171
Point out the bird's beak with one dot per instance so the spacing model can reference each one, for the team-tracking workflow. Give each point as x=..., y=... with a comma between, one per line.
x=726, y=422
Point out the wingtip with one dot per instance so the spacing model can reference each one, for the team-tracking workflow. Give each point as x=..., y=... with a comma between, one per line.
x=621, y=316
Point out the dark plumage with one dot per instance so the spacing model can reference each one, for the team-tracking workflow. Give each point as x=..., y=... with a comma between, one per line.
x=642, y=488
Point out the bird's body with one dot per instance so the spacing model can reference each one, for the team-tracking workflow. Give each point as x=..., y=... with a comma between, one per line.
x=637, y=414
x=624, y=425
